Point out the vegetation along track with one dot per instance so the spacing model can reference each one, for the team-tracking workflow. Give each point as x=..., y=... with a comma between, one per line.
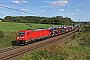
x=15, y=53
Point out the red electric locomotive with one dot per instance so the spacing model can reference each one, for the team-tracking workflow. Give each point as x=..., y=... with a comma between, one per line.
x=26, y=36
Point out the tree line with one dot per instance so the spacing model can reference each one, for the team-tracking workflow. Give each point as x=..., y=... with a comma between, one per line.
x=39, y=20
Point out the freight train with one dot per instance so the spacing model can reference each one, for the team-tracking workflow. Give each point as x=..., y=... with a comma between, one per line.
x=28, y=36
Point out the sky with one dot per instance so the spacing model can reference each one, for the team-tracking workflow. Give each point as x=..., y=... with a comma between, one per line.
x=74, y=9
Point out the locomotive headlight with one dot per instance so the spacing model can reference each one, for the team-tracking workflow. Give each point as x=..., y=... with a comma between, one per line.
x=17, y=37
x=22, y=37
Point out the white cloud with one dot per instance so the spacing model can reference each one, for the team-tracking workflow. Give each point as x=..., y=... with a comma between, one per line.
x=58, y=2
x=77, y=10
x=24, y=9
x=24, y=1
x=16, y=2
x=20, y=2
x=61, y=10
x=42, y=11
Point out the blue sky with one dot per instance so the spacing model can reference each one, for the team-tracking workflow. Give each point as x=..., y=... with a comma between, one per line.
x=75, y=9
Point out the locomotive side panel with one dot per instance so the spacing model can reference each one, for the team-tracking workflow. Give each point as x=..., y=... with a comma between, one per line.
x=46, y=33
x=32, y=35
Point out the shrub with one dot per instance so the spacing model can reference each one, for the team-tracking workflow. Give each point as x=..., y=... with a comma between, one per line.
x=1, y=34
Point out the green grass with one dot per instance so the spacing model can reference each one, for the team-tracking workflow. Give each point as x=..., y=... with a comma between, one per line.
x=14, y=27
x=7, y=39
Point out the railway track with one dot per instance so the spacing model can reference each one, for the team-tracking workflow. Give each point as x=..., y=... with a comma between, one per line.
x=9, y=48
x=15, y=53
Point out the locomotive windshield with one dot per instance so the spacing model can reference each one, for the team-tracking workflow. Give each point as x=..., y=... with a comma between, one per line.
x=21, y=33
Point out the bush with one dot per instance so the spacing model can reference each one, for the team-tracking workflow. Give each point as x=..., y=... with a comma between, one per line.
x=1, y=34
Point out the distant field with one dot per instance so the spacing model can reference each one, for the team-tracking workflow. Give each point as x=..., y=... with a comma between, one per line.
x=14, y=27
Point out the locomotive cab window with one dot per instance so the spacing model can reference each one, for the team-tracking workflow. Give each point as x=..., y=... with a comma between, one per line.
x=21, y=33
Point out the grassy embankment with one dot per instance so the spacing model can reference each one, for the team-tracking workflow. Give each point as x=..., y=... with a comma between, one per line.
x=78, y=48
x=10, y=31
